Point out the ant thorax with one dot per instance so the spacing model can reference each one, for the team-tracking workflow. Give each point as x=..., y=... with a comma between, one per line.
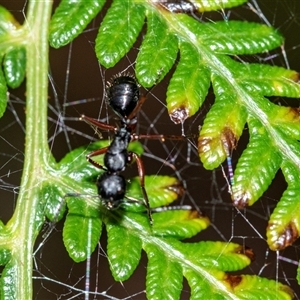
x=116, y=157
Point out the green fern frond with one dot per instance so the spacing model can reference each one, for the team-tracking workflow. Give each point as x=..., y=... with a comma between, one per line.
x=261, y=160
x=180, y=224
x=188, y=86
x=150, y=67
x=241, y=89
x=5, y=256
x=82, y=229
x=203, y=264
x=222, y=126
x=9, y=27
x=122, y=262
x=242, y=287
x=74, y=16
x=3, y=94
x=14, y=67
x=284, y=222
x=111, y=45
x=161, y=266
x=164, y=189
x=8, y=280
x=53, y=197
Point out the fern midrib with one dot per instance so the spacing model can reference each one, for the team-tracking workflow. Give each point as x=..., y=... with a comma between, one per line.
x=145, y=235
x=23, y=226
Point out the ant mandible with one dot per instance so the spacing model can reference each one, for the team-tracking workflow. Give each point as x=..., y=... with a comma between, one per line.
x=123, y=96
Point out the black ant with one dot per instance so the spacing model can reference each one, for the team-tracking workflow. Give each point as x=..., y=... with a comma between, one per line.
x=123, y=95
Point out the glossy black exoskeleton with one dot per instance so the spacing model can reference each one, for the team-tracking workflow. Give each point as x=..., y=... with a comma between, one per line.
x=111, y=185
x=122, y=94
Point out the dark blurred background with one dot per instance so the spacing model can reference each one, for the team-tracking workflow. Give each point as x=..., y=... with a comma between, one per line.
x=76, y=84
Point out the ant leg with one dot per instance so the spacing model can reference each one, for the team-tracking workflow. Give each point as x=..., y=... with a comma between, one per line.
x=141, y=172
x=96, y=153
x=166, y=208
x=96, y=123
x=161, y=137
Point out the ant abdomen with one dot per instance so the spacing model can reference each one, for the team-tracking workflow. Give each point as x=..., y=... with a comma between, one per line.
x=123, y=94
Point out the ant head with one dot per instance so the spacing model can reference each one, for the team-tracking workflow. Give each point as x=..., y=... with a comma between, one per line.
x=123, y=94
x=111, y=189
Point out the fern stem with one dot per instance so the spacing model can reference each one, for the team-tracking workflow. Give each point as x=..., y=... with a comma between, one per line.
x=28, y=218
